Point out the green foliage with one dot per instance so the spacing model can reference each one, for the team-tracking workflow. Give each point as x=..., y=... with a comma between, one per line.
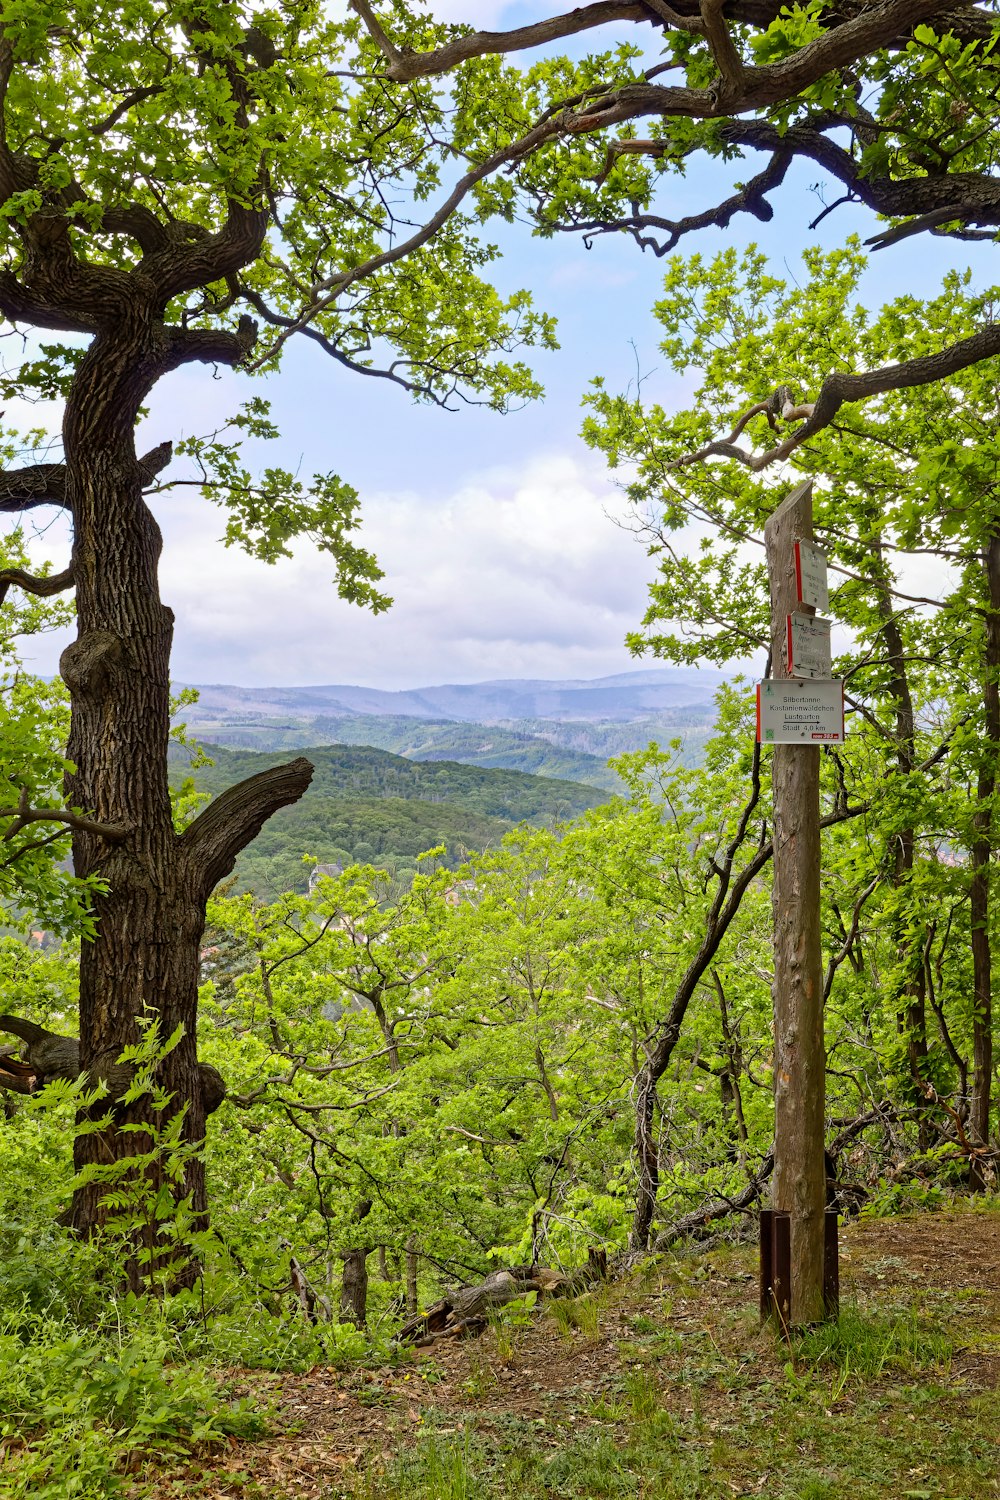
x=423, y=740
x=131, y=118
x=88, y=1403
x=457, y=1058
x=267, y=512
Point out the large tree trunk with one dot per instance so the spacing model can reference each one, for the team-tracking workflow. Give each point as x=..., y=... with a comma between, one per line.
x=144, y=958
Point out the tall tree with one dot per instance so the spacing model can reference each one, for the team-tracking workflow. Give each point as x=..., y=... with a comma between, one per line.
x=165, y=171
x=170, y=173
x=906, y=497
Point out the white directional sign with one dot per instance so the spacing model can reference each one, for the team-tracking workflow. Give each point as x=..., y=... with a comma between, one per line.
x=793, y=711
x=808, y=646
x=810, y=575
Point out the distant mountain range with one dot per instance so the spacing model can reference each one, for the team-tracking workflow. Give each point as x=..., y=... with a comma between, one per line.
x=624, y=697
x=566, y=728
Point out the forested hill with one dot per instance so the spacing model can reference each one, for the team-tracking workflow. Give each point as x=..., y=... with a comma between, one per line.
x=417, y=739
x=368, y=805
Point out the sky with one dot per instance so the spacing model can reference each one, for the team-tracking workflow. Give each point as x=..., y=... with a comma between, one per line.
x=504, y=538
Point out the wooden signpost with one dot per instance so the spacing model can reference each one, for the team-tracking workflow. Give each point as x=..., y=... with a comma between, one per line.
x=812, y=714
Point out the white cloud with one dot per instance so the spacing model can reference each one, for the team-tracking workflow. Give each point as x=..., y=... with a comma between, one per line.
x=517, y=573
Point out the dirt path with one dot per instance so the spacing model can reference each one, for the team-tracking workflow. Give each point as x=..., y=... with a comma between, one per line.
x=551, y=1379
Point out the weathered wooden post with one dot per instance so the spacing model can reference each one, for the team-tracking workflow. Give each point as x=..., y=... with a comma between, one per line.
x=799, y=1182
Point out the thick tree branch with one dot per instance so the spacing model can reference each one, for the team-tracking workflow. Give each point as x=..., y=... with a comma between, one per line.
x=405, y=66
x=211, y=346
x=212, y=842
x=42, y=588
x=140, y=224
x=18, y=305
x=937, y=198
x=873, y=27
x=727, y=58
x=840, y=388
x=184, y=267
x=31, y=486
x=50, y=1056
x=156, y=459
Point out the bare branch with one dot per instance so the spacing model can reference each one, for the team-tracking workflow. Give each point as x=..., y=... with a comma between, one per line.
x=22, y=814
x=841, y=388
x=42, y=588
x=750, y=198
x=404, y=67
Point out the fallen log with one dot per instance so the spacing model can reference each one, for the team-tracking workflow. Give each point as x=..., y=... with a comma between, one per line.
x=465, y=1311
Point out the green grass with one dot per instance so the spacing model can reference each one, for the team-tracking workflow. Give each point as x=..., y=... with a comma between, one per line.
x=856, y=1410
x=868, y=1346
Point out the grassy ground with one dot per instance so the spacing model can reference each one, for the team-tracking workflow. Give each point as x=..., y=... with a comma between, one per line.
x=667, y=1388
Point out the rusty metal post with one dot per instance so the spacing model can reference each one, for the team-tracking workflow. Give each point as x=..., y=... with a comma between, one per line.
x=831, y=1265
x=781, y=1275
x=766, y=1263
x=775, y=1267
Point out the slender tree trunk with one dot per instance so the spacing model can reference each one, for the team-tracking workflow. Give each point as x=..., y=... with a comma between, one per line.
x=412, y=1263
x=647, y=1157
x=354, y=1287
x=982, y=853
x=729, y=1081
x=913, y=1014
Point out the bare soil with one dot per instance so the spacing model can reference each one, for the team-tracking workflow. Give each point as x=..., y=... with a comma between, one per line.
x=330, y=1425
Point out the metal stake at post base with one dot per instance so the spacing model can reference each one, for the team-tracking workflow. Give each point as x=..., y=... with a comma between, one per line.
x=776, y=1266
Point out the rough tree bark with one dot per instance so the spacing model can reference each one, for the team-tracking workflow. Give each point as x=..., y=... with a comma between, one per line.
x=151, y=912
x=799, y=1184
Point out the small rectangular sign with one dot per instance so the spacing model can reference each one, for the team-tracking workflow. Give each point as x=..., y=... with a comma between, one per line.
x=810, y=575
x=809, y=651
x=793, y=711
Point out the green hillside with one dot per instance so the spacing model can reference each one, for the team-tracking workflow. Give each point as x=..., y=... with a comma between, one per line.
x=417, y=739
x=366, y=804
